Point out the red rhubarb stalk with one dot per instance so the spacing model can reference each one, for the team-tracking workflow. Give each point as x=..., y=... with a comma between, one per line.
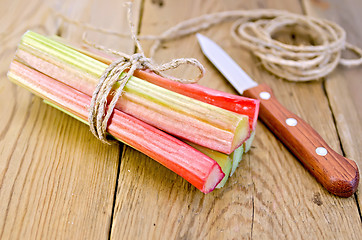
x=231, y=102
x=198, y=169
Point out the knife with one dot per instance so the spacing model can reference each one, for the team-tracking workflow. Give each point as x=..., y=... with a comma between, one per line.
x=336, y=173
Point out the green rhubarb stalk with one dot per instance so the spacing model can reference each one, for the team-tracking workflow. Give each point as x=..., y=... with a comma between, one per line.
x=56, y=106
x=187, y=118
x=236, y=157
x=194, y=166
x=249, y=141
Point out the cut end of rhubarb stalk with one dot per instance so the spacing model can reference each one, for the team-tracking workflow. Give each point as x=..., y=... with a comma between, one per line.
x=236, y=157
x=222, y=159
x=213, y=179
x=249, y=141
x=226, y=169
x=241, y=133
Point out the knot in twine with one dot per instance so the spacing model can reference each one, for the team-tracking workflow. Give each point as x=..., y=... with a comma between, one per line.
x=120, y=71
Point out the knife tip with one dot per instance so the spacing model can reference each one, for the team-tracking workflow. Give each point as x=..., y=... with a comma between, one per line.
x=200, y=37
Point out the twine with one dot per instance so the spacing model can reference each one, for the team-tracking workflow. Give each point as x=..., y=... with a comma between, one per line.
x=121, y=71
x=254, y=29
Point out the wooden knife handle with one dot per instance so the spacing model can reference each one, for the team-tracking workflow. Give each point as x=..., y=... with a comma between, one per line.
x=336, y=173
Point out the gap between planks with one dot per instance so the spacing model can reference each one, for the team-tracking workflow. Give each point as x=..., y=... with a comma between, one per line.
x=122, y=147
x=121, y=151
x=339, y=138
x=305, y=12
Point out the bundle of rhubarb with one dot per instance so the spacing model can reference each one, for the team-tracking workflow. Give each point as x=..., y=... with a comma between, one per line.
x=199, y=133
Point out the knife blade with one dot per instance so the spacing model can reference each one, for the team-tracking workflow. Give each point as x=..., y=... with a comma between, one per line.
x=339, y=175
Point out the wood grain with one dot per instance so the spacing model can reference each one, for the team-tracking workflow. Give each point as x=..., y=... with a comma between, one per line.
x=343, y=87
x=270, y=195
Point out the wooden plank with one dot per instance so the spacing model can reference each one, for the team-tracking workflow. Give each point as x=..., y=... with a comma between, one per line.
x=344, y=86
x=270, y=195
x=56, y=179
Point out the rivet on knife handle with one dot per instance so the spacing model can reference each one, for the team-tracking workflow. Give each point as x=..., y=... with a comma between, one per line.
x=336, y=173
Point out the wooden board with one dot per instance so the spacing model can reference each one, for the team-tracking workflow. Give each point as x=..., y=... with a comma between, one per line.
x=58, y=181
